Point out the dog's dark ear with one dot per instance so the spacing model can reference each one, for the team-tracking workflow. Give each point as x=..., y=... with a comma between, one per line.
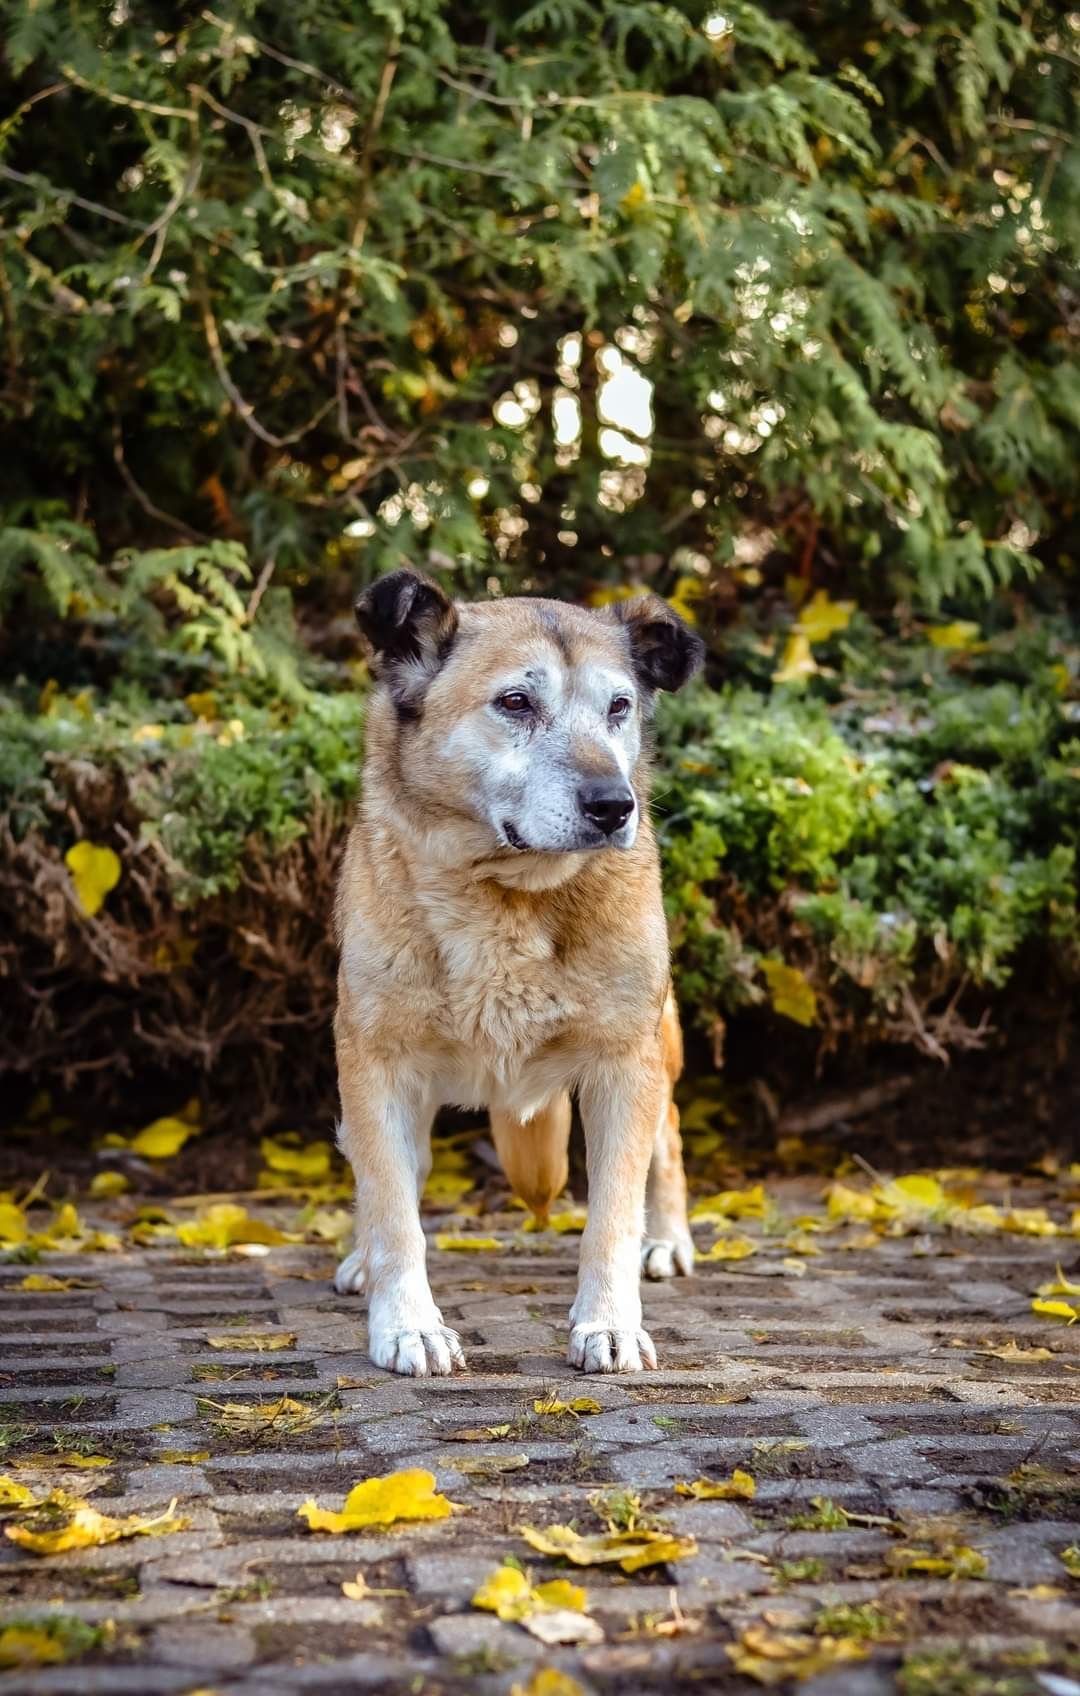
x=666, y=652
x=409, y=624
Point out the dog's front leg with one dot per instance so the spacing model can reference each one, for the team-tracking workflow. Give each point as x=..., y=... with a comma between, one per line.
x=620, y=1102
x=384, y=1134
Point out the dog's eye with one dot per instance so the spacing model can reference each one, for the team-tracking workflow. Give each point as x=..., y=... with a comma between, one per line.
x=619, y=707
x=514, y=702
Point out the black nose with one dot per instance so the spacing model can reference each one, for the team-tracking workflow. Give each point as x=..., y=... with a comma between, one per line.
x=606, y=805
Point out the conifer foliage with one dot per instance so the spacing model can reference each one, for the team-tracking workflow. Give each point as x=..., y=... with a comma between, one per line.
x=344, y=283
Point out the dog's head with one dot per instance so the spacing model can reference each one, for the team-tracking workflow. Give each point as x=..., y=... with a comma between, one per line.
x=524, y=716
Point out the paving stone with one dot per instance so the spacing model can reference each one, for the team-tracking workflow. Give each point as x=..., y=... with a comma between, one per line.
x=853, y=1362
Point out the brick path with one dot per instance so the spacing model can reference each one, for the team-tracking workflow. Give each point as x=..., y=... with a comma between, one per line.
x=868, y=1361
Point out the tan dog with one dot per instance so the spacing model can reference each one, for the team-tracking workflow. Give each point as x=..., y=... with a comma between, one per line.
x=503, y=944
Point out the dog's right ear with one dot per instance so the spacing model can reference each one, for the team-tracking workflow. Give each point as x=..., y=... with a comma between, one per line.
x=409, y=624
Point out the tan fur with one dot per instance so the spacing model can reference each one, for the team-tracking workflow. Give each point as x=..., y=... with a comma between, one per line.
x=477, y=975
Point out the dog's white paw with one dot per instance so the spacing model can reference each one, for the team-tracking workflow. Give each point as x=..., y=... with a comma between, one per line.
x=668, y=1256
x=434, y=1352
x=349, y=1277
x=598, y=1348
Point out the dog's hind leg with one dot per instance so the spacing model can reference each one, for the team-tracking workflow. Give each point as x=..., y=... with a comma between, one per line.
x=534, y=1154
x=668, y=1247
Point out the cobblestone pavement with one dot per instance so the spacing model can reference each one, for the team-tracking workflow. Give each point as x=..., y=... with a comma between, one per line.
x=861, y=1381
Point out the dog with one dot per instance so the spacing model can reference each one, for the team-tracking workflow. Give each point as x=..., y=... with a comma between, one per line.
x=503, y=944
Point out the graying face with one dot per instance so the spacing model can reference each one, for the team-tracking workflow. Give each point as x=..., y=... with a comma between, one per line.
x=549, y=752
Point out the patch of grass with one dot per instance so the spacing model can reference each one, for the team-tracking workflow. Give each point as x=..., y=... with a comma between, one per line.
x=950, y=1673
x=826, y=1516
x=34, y=1639
x=257, y=1589
x=864, y=1621
x=664, y=1423
x=805, y=1571
x=13, y=1435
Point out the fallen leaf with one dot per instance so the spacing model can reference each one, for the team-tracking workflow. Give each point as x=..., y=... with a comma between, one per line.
x=45, y=1281
x=94, y=872
x=310, y=1161
x=1039, y=1593
x=1070, y=1560
x=729, y=1248
x=14, y=1229
x=408, y=1495
x=183, y=1457
x=485, y=1466
x=563, y=1625
x=226, y=1224
x=162, y=1139
x=790, y=993
x=466, y=1245
x=821, y=618
x=630, y=1550
x=739, y=1487
x=961, y=634
x=1012, y=1351
x=770, y=1658
x=1059, y=1285
x=548, y=1681
x=261, y=1342
x=580, y=1405
x=570, y=1219
x=1054, y=1309
x=479, y=1433
x=106, y=1184
x=49, y=1641
x=750, y=1203
x=83, y=1527
x=358, y=1589
x=15, y=1495
x=953, y=1561
x=797, y=662
x=284, y=1417
x=60, y=1458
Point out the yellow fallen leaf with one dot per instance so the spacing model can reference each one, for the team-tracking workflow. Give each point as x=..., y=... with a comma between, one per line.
x=1053, y=1309
x=82, y=1527
x=1029, y=1222
x=15, y=1495
x=59, y=1459
x=729, y=1248
x=821, y=618
x=94, y=872
x=549, y=1681
x=797, y=662
x=954, y=1561
x=750, y=1203
x=961, y=634
x=1059, y=1285
x=183, y=1457
x=105, y=1184
x=358, y=1589
x=480, y=1434
x=162, y=1139
x=14, y=1229
x=447, y=1186
x=914, y=1194
x=466, y=1245
x=46, y=1281
x=739, y=1487
x=630, y=1550
x=775, y=1658
x=285, y=1417
x=1039, y=1593
x=262, y=1342
x=505, y=1592
x=580, y=1404
x=1070, y=1560
x=310, y=1161
x=790, y=994
x=37, y=1643
x=225, y=1224
x=407, y=1495
x=560, y=1593
x=846, y=1203
x=1012, y=1351
x=569, y=1219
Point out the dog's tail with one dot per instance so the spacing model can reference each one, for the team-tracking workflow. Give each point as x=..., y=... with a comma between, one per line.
x=534, y=1155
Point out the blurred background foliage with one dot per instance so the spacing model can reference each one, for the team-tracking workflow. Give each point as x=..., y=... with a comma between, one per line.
x=773, y=309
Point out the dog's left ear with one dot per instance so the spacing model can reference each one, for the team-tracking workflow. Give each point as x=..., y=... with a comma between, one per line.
x=409, y=624
x=666, y=652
